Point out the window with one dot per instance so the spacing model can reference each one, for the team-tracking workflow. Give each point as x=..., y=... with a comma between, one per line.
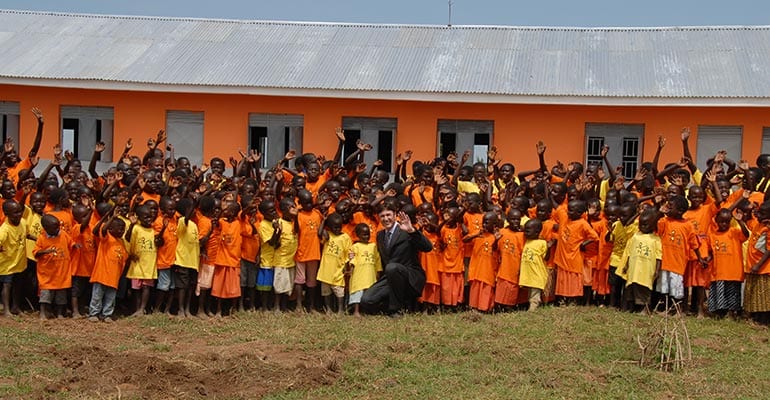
x=712, y=138
x=9, y=121
x=185, y=131
x=277, y=134
x=624, y=141
x=378, y=132
x=461, y=135
x=258, y=142
x=82, y=127
x=594, y=150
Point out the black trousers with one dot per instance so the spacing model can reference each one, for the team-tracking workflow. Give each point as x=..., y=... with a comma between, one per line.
x=391, y=293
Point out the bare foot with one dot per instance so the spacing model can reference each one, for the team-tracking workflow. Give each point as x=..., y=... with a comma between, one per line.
x=43, y=317
x=138, y=313
x=7, y=314
x=77, y=315
x=202, y=315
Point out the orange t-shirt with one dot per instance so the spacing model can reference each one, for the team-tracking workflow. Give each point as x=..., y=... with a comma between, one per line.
x=65, y=217
x=549, y=234
x=309, y=244
x=510, y=247
x=473, y=222
x=728, y=254
x=150, y=196
x=13, y=172
x=204, y=226
x=570, y=235
x=360, y=217
x=83, y=252
x=431, y=261
x=599, y=252
x=249, y=239
x=110, y=261
x=417, y=199
x=229, y=251
x=453, y=249
x=702, y=219
x=678, y=238
x=314, y=187
x=484, y=264
x=753, y=255
x=53, y=269
x=167, y=252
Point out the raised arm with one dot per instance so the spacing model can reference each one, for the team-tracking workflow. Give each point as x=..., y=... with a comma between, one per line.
x=39, y=135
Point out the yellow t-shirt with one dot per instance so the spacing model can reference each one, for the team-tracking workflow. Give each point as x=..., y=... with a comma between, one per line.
x=266, y=252
x=34, y=228
x=620, y=236
x=333, y=259
x=188, y=251
x=641, y=253
x=13, y=240
x=366, y=261
x=142, y=245
x=533, y=272
x=283, y=256
x=467, y=187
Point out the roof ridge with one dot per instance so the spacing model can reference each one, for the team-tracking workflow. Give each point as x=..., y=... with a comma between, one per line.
x=386, y=25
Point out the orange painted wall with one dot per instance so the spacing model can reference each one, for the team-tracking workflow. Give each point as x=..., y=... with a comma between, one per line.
x=517, y=127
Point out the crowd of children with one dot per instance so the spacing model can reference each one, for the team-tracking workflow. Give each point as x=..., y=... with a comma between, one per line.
x=154, y=233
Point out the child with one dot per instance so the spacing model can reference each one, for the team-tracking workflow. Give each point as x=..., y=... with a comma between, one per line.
x=330, y=272
x=642, y=257
x=207, y=222
x=165, y=226
x=548, y=232
x=364, y=259
x=226, y=283
x=509, y=245
x=283, y=261
x=573, y=236
x=270, y=238
x=701, y=215
x=111, y=257
x=143, y=251
x=756, y=301
x=430, y=262
x=678, y=238
x=309, y=249
x=12, y=261
x=83, y=254
x=249, y=253
x=534, y=274
x=54, y=276
x=452, y=270
x=187, y=256
x=484, y=263
x=726, y=242
x=621, y=231
x=599, y=261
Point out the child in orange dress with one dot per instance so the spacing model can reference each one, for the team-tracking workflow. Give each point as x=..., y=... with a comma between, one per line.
x=700, y=215
x=227, y=266
x=54, y=276
x=548, y=232
x=573, y=237
x=451, y=270
x=430, y=261
x=510, y=246
x=482, y=270
x=83, y=255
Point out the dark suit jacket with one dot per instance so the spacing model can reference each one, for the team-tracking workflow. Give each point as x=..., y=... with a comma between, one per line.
x=403, y=249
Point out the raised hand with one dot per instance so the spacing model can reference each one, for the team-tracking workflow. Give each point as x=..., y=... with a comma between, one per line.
x=661, y=141
x=8, y=145
x=69, y=155
x=540, y=146
x=605, y=150
x=290, y=155
x=100, y=146
x=38, y=114
x=377, y=163
x=129, y=145
x=407, y=155
x=685, y=133
x=340, y=134
x=161, y=137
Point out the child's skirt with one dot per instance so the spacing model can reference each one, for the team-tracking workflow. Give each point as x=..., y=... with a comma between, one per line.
x=452, y=287
x=697, y=276
x=226, y=282
x=724, y=296
x=482, y=296
x=757, y=295
x=569, y=284
x=600, y=282
x=431, y=294
x=506, y=293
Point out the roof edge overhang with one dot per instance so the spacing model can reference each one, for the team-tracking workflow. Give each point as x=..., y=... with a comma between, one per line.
x=439, y=97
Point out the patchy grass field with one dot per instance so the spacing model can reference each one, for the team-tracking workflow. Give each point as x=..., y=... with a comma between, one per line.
x=567, y=352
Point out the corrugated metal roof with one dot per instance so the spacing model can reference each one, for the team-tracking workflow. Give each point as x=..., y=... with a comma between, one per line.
x=677, y=62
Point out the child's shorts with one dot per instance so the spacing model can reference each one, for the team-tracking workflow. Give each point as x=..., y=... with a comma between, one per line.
x=248, y=274
x=164, y=280
x=181, y=277
x=57, y=296
x=205, y=276
x=265, y=279
x=355, y=297
x=306, y=273
x=6, y=278
x=327, y=290
x=283, y=280
x=79, y=285
x=670, y=283
x=137, y=284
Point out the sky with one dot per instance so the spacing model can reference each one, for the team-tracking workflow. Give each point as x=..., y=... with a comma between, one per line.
x=581, y=13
